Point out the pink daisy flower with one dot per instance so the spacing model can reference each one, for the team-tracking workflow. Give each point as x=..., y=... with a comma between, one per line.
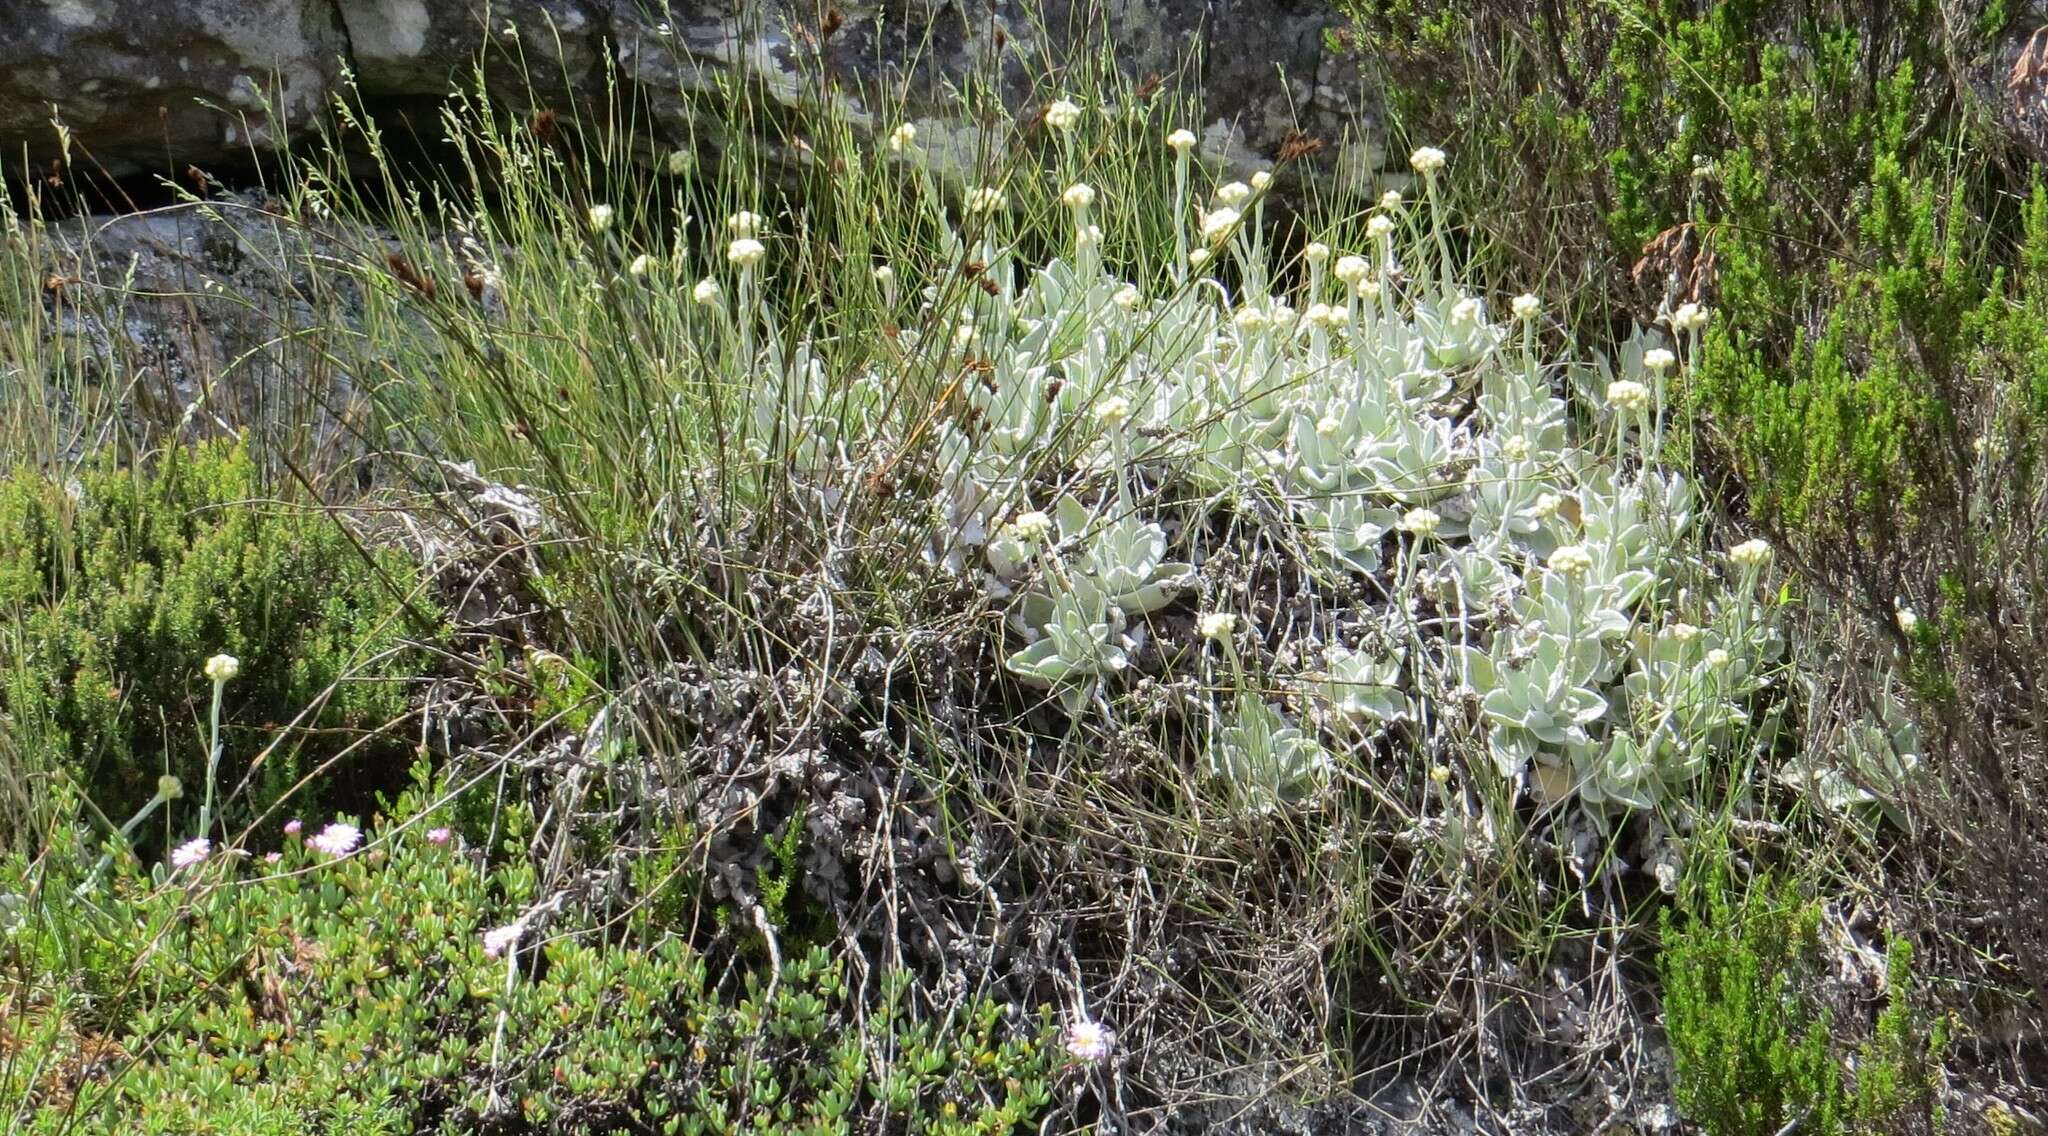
x=498, y=940
x=1088, y=1041
x=437, y=836
x=337, y=839
x=191, y=852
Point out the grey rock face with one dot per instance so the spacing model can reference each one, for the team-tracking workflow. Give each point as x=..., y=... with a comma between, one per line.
x=157, y=85
x=129, y=79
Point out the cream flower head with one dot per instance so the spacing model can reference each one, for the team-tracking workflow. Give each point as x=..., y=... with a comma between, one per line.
x=1752, y=553
x=1628, y=395
x=1217, y=226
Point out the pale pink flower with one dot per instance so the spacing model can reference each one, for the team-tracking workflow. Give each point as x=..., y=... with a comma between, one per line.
x=1088, y=1041
x=437, y=836
x=337, y=839
x=272, y=857
x=191, y=852
x=294, y=826
x=499, y=939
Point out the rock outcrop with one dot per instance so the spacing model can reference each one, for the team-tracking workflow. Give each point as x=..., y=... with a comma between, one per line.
x=159, y=86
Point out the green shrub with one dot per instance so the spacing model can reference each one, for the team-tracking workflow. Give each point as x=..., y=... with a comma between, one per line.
x=242, y=996
x=1750, y=1052
x=1750, y=1040
x=1830, y=182
x=119, y=585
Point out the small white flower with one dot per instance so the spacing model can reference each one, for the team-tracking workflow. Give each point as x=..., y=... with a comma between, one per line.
x=191, y=852
x=902, y=138
x=745, y=223
x=1420, y=522
x=1908, y=620
x=1658, y=360
x=1684, y=632
x=1033, y=526
x=1379, y=226
x=1319, y=315
x=1062, y=115
x=1127, y=297
x=1628, y=395
x=498, y=940
x=1571, y=560
x=1515, y=448
x=1427, y=161
x=1079, y=195
x=1466, y=310
x=601, y=217
x=1688, y=317
x=1262, y=181
x=1391, y=200
x=1181, y=141
x=1367, y=289
x=337, y=839
x=641, y=264
x=1087, y=237
x=746, y=252
x=1316, y=252
x=1087, y=1041
x=222, y=668
x=1217, y=226
x=885, y=275
x=1113, y=411
x=1526, y=307
x=1250, y=319
x=1547, y=506
x=1234, y=193
x=1753, y=553
x=1717, y=657
x=706, y=292
x=987, y=199
x=680, y=161
x=169, y=787
x=1218, y=625
x=1328, y=426
x=1198, y=258
x=1441, y=774
x=1352, y=269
